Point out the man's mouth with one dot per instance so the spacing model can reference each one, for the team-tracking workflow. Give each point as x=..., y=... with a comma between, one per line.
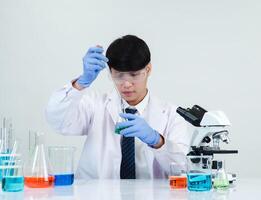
x=127, y=93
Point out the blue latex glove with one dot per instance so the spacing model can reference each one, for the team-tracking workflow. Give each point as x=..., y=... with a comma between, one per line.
x=93, y=62
x=138, y=127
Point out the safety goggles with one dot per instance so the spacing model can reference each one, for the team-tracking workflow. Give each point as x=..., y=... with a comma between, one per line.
x=132, y=77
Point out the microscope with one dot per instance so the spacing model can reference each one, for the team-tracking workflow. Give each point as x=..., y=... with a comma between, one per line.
x=211, y=128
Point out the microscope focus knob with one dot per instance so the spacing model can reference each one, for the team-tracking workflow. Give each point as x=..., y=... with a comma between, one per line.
x=206, y=139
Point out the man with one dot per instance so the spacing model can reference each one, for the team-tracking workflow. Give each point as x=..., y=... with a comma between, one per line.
x=152, y=134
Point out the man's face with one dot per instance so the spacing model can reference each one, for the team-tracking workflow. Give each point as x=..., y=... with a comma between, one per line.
x=132, y=85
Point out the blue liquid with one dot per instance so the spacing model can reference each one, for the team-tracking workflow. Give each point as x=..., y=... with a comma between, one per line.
x=63, y=179
x=199, y=182
x=2, y=161
x=13, y=184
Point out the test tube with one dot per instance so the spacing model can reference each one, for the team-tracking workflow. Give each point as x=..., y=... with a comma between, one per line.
x=6, y=135
x=117, y=130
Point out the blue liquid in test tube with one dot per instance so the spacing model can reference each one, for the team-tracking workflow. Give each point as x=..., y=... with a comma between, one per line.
x=63, y=179
x=13, y=184
x=199, y=182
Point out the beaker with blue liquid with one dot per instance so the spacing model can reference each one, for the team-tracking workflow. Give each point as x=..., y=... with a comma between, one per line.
x=62, y=162
x=12, y=176
x=199, y=173
x=7, y=159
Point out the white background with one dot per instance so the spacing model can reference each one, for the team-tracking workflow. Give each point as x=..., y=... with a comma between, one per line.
x=204, y=52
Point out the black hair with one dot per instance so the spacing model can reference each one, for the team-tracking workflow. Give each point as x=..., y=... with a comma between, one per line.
x=128, y=53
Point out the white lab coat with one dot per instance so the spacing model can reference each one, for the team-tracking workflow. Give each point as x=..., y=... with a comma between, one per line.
x=73, y=112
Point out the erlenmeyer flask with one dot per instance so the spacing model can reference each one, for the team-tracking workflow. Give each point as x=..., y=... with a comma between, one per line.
x=37, y=170
x=221, y=180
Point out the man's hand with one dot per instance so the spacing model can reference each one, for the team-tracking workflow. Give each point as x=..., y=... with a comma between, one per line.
x=93, y=62
x=138, y=127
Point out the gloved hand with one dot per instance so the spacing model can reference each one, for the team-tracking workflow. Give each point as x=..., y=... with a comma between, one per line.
x=93, y=62
x=138, y=127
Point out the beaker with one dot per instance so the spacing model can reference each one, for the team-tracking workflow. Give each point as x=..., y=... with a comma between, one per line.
x=118, y=130
x=120, y=119
x=199, y=173
x=131, y=110
x=8, y=157
x=62, y=162
x=177, y=176
x=12, y=176
x=3, y=159
x=37, y=170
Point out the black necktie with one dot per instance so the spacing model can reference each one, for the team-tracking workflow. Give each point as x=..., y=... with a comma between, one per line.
x=128, y=154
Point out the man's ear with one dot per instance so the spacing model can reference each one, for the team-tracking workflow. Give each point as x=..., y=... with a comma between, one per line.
x=149, y=68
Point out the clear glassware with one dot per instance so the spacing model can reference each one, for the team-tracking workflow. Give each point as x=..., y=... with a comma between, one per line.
x=9, y=157
x=6, y=139
x=62, y=162
x=117, y=130
x=221, y=180
x=37, y=171
x=12, y=175
x=177, y=176
x=199, y=173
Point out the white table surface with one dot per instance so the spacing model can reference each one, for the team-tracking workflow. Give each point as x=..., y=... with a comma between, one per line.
x=135, y=189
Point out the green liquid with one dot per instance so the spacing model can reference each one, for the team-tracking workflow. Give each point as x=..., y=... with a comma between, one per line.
x=117, y=130
x=221, y=184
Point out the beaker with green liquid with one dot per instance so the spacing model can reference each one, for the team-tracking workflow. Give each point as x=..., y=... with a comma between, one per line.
x=130, y=110
x=118, y=130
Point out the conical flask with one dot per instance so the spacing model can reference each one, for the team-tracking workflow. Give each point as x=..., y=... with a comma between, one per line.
x=221, y=180
x=37, y=170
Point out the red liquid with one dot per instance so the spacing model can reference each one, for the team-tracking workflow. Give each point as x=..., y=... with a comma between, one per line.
x=177, y=182
x=39, y=182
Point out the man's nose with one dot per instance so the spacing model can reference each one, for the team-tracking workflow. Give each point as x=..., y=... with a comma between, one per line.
x=126, y=84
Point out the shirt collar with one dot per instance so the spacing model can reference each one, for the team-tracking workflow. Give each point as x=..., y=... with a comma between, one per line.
x=140, y=106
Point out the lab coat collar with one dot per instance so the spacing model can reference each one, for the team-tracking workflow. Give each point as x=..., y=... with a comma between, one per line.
x=140, y=106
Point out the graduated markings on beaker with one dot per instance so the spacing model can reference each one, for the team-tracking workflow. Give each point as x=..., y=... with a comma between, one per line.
x=199, y=182
x=177, y=182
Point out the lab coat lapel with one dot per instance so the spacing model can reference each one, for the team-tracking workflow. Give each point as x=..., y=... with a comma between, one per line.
x=113, y=106
x=156, y=115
